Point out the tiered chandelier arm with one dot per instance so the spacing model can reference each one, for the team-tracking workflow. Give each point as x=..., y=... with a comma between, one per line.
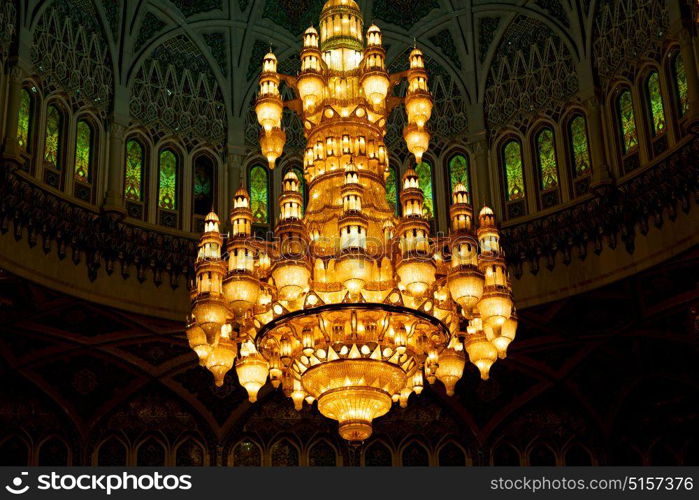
x=350, y=306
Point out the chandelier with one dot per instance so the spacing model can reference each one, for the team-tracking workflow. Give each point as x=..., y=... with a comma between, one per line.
x=350, y=306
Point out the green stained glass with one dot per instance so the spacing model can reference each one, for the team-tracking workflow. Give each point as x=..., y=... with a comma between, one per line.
x=203, y=185
x=133, y=180
x=424, y=177
x=24, y=119
x=657, y=111
x=627, y=121
x=83, y=152
x=514, y=175
x=259, y=194
x=392, y=189
x=52, y=145
x=167, y=188
x=458, y=172
x=681, y=85
x=580, y=146
x=546, y=154
x=302, y=186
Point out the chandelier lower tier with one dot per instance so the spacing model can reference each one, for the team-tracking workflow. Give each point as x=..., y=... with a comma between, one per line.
x=349, y=306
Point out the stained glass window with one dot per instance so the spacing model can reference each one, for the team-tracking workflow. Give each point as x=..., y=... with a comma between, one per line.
x=133, y=179
x=259, y=194
x=655, y=104
x=83, y=152
x=514, y=174
x=681, y=86
x=458, y=173
x=53, y=140
x=627, y=121
x=302, y=186
x=24, y=119
x=579, y=146
x=203, y=185
x=392, y=189
x=424, y=176
x=167, y=187
x=546, y=156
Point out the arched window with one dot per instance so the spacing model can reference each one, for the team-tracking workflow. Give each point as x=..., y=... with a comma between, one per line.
x=626, y=122
x=506, y=455
x=576, y=455
x=451, y=455
x=133, y=175
x=189, y=454
x=247, y=454
x=579, y=146
x=112, y=453
x=546, y=159
x=392, y=193
x=424, y=176
x=167, y=182
x=83, y=152
x=151, y=453
x=322, y=454
x=378, y=455
x=25, y=119
x=415, y=455
x=284, y=454
x=53, y=141
x=459, y=173
x=681, y=87
x=656, y=108
x=542, y=455
x=259, y=194
x=514, y=173
x=203, y=187
x=53, y=452
x=14, y=452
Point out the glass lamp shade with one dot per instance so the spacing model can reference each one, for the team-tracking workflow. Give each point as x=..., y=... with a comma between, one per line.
x=375, y=85
x=210, y=313
x=416, y=275
x=291, y=280
x=269, y=112
x=241, y=292
x=466, y=286
x=419, y=108
x=252, y=373
x=310, y=87
x=451, y=368
x=272, y=145
x=417, y=139
x=495, y=307
x=354, y=392
x=481, y=353
x=221, y=359
x=198, y=343
x=353, y=271
x=506, y=336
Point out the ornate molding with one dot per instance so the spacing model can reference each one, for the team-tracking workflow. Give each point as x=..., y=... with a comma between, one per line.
x=617, y=212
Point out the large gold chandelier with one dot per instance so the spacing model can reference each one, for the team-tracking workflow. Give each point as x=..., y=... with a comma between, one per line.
x=350, y=306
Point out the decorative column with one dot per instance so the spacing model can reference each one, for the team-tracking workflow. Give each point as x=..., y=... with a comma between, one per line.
x=482, y=185
x=235, y=175
x=114, y=198
x=590, y=97
x=690, y=68
x=11, y=149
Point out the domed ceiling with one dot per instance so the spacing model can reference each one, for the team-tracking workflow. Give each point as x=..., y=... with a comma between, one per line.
x=189, y=67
